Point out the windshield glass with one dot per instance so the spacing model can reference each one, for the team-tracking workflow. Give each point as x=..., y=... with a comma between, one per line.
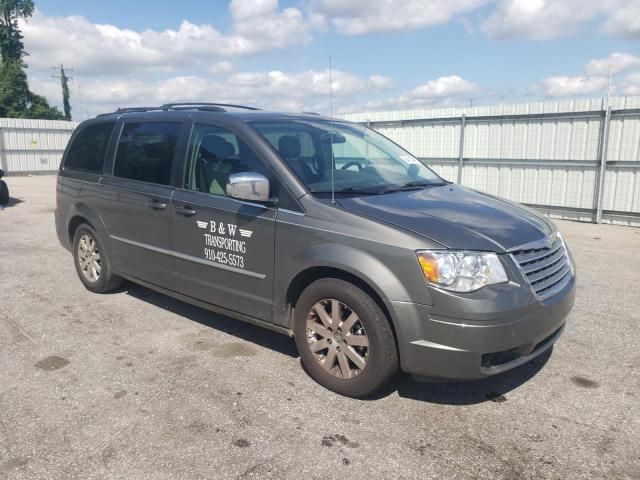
x=360, y=160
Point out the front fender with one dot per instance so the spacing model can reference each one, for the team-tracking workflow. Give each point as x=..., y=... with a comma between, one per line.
x=356, y=262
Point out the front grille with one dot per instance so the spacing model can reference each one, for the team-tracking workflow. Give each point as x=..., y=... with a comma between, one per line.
x=545, y=265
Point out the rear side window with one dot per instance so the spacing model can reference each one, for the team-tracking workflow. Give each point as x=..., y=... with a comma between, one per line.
x=88, y=149
x=145, y=152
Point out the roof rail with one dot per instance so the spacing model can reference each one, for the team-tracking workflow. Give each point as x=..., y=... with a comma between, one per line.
x=212, y=107
x=128, y=110
x=171, y=106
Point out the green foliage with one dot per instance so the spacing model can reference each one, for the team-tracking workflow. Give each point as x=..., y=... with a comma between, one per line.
x=11, y=46
x=65, y=94
x=16, y=100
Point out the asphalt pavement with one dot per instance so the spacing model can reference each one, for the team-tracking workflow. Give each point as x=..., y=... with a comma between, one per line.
x=134, y=384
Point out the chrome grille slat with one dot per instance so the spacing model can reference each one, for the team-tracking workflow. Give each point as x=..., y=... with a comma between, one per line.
x=538, y=254
x=552, y=290
x=546, y=271
x=540, y=285
x=545, y=266
x=534, y=267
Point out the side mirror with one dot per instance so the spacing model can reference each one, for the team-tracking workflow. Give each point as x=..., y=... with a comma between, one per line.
x=250, y=186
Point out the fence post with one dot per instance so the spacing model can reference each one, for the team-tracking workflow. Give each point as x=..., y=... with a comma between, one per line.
x=463, y=121
x=4, y=165
x=604, y=147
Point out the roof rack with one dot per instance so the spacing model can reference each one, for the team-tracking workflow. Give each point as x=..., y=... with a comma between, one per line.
x=173, y=106
x=211, y=107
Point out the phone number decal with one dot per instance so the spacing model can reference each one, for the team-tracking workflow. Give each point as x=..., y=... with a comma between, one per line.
x=224, y=243
x=224, y=258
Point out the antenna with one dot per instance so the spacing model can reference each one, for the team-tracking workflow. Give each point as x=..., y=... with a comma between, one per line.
x=333, y=160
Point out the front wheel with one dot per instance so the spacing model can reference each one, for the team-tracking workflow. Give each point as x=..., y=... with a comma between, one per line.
x=344, y=339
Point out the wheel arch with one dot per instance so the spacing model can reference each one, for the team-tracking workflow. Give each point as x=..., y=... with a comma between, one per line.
x=81, y=213
x=309, y=275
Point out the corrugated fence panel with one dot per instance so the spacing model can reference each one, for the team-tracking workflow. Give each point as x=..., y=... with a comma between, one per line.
x=545, y=154
x=33, y=146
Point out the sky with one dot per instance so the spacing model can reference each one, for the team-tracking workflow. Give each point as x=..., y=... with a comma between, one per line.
x=385, y=54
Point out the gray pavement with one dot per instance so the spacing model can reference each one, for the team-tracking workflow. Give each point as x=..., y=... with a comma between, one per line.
x=134, y=384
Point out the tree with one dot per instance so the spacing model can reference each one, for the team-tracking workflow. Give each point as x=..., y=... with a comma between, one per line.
x=11, y=46
x=64, y=81
x=65, y=95
x=16, y=100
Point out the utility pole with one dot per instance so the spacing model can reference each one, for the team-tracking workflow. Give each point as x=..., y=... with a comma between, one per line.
x=64, y=82
x=80, y=100
x=609, y=85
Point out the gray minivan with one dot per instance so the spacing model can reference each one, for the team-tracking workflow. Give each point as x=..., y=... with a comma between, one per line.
x=317, y=228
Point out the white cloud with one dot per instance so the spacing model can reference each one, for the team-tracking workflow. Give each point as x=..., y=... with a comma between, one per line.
x=366, y=16
x=630, y=85
x=306, y=90
x=547, y=19
x=540, y=19
x=449, y=90
x=619, y=62
x=625, y=21
x=222, y=67
x=594, y=79
x=569, y=86
x=258, y=26
x=534, y=19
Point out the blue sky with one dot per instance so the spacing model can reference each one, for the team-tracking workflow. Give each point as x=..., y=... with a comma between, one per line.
x=387, y=54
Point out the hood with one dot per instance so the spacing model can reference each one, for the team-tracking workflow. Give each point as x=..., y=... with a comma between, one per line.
x=455, y=217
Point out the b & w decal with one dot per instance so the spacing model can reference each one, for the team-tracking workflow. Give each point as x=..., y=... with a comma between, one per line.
x=223, y=243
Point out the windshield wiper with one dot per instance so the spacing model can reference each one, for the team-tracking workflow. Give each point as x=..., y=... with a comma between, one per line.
x=415, y=185
x=347, y=190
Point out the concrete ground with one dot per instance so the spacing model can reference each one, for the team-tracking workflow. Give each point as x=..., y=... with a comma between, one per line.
x=136, y=385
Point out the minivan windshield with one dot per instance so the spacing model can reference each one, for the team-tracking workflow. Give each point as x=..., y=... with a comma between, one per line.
x=360, y=160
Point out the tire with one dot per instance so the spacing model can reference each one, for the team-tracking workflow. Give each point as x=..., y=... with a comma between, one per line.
x=92, y=261
x=375, y=364
x=4, y=193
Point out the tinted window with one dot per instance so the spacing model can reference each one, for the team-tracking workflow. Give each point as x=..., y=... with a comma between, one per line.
x=214, y=154
x=145, y=152
x=88, y=149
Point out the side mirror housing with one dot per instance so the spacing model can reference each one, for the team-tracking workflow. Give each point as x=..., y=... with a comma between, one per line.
x=250, y=186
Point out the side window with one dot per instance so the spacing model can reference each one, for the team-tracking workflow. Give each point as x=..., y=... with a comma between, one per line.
x=214, y=154
x=145, y=152
x=88, y=149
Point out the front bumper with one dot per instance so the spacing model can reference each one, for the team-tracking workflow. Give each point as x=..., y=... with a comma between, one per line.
x=476, y=337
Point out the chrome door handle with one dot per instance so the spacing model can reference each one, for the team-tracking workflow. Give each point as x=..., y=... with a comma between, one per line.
x=186, y=210
x=156, y=205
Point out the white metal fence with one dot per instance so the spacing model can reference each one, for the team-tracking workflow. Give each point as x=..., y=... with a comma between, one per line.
x=574, y=159
x=32, y=146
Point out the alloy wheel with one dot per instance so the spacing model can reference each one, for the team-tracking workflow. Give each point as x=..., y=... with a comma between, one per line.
x=337, y=338
x=89, y=258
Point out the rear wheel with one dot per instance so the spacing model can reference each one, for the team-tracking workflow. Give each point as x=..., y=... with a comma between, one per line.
x=4, y=193
x=345, y=340
x=92, y=261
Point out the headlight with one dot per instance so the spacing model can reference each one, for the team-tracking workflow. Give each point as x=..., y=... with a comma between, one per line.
x=461, y=271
